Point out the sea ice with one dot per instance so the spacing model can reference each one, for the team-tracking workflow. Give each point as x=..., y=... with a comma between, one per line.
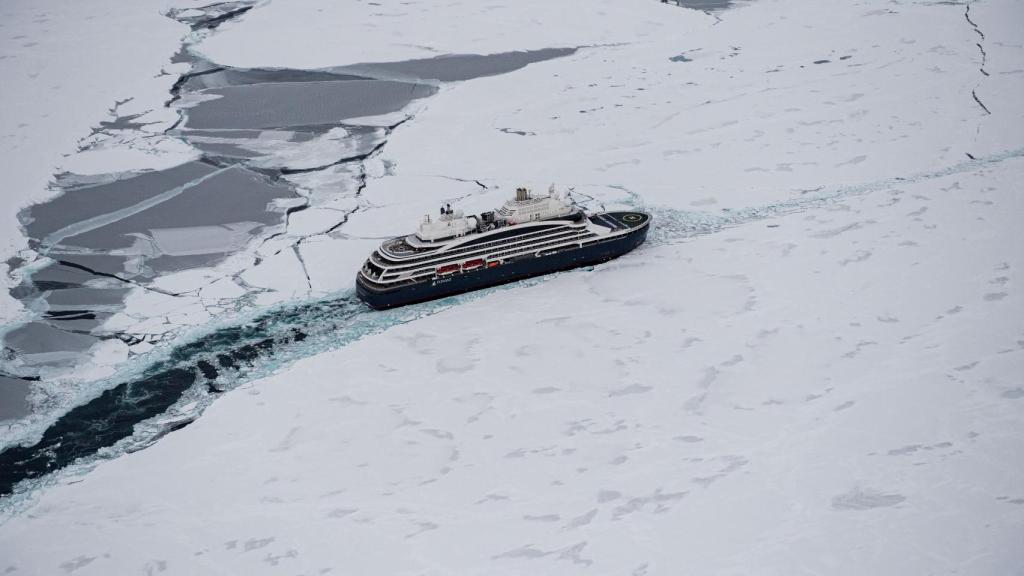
x=812, y=365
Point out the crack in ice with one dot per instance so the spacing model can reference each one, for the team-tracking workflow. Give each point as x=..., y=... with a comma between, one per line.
x=673, y=225
x=248, y=349
x=116, y=277
x=984, y=60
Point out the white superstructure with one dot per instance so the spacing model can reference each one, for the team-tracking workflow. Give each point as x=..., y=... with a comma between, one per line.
x=449, y=242
x=449, y=224
x=525, y=208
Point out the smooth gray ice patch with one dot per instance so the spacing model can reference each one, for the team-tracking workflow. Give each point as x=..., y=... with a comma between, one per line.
x=82, y=203
x=101, y=263
x=124, y=213
x=865, y=499
x=224, y=150
x=257, y=543
x=302, y=103
x=701, y=4
x=123, y=123
x=240, y=77
x=76, y=563
x=13, y=398
x=40, y=339
x=182, y=56
x=299, y=133
x=242, y=134
x=456, y=67
x=229, y=196
x=658, y=502
x=631, y=389
x=581, y=520
x=60, y=277
x=87, y=298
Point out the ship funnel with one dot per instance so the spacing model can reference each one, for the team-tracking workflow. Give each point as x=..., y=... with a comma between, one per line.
x=522, y=194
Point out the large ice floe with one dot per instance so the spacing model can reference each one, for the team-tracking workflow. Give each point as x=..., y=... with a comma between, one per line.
x=265, y=163
x=813, y=366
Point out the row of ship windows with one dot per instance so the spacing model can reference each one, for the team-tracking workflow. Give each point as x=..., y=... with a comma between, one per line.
x=481, y=250
x=507, y=253
x=520, y=247
x=483, y=246
x=565, y=241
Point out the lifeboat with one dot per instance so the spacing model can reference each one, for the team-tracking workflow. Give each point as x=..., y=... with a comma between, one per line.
x=493, y=263
x=472, y=264
x=447, y=269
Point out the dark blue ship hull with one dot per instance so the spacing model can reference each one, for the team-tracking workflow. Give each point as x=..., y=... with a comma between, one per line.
x=509, y=271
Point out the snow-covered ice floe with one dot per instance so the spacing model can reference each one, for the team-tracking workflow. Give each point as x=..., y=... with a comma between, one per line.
x=254, y=169
x=813, y=365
